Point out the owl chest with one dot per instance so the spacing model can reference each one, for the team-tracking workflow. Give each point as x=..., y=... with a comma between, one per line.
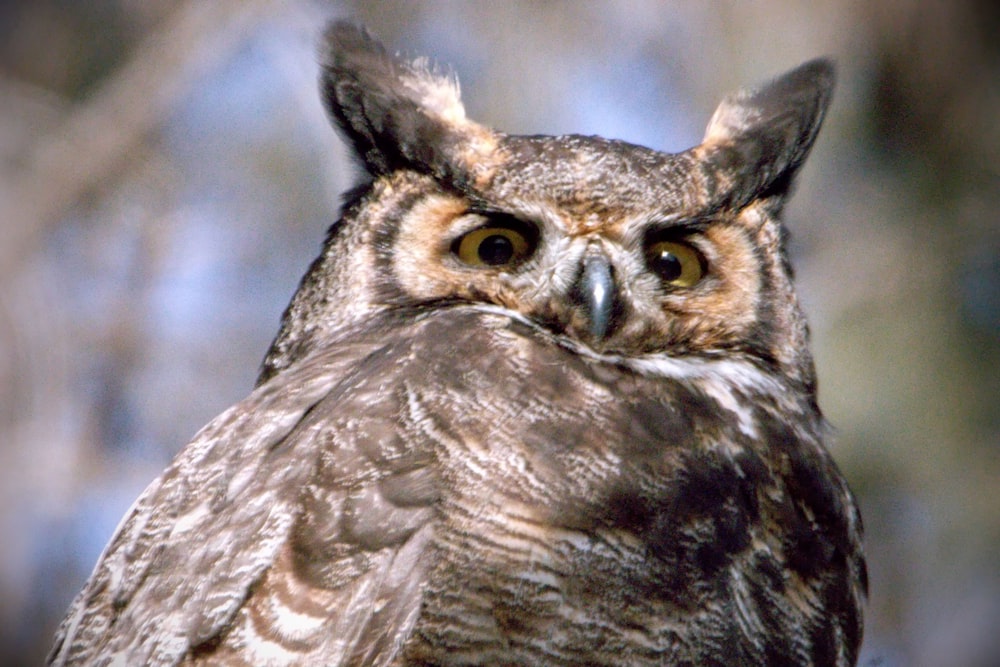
x=516, y=579
x=515, y=591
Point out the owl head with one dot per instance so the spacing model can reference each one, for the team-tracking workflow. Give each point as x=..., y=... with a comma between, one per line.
x=617, y=249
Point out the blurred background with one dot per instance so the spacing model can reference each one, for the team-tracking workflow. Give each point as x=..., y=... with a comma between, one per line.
x=168, y=174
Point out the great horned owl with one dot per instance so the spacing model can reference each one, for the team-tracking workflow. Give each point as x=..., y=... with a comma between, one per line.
x=540, y=401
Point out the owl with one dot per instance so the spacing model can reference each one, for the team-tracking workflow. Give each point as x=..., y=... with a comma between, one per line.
x=540, y=401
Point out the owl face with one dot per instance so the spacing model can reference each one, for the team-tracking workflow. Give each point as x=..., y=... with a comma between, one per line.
x=616, y=272
x=615, y=249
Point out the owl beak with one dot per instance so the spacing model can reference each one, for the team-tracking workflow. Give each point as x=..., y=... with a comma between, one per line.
x=596, y=289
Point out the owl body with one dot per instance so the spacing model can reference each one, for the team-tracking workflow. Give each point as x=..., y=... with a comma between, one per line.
x=541, y=401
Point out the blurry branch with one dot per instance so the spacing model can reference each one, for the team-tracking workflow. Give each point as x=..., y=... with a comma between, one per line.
x=96, y=138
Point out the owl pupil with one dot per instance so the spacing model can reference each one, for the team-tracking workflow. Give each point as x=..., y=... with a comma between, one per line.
x=667, y=266
x=496, y=250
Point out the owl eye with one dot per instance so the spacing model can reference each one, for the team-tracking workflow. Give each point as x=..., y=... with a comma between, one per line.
x=493, y=246
x=677, y=264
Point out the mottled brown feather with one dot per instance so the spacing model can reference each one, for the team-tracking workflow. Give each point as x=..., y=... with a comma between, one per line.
x=449, y=463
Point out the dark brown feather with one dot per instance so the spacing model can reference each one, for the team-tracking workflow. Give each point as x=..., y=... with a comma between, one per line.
x=442, y=466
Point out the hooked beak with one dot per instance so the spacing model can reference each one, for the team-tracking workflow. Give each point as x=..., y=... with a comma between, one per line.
x=597, y=293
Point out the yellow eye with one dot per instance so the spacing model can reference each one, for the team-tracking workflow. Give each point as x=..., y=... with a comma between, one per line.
x=492, y=246
x=677, y=264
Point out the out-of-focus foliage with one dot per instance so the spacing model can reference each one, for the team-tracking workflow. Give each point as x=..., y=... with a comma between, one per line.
x=167, y=175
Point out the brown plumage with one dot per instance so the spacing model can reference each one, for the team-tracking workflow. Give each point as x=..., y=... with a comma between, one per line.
x=541, y=401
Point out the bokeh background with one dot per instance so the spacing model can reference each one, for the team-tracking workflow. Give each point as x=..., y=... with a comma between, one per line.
x=168, y=175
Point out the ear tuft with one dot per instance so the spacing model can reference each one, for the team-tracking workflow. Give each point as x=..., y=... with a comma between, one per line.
x=437, y=92
x=763, y=135
x=397, y=113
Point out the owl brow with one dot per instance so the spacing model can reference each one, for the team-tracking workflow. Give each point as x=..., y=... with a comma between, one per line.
x=533, y=213
x=675, y=229
x=485, y=210
x=501, y=218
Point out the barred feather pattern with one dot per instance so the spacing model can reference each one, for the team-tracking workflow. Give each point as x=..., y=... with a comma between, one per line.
x=497, y=427
x=345, y=514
